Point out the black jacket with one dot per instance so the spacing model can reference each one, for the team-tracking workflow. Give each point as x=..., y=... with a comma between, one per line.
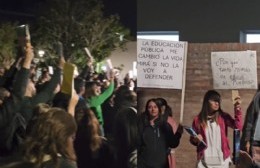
x=45, y=95
x=154, y=143
x=10, y=119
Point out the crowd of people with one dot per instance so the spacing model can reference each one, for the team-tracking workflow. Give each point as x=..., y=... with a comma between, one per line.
x=98, y=124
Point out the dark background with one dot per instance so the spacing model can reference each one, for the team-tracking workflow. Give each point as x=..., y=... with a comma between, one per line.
x=24, y=11
x=201, y=20
x=126, y=9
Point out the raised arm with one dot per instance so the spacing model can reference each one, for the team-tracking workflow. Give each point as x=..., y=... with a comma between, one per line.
x=48, y=91
x=236, y=123
x=72, y=103
x=12, y=104
x=21, y=79
x=98, y=100
x=173, y=138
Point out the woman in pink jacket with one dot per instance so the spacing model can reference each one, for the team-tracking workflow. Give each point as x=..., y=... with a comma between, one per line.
x=211, y=125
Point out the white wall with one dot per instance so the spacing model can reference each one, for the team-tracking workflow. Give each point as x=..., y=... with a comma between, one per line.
x=126, y=58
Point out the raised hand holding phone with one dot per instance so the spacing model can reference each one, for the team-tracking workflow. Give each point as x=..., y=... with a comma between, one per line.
x=25, y=48
x=59, y=49
x=236, y=98
x=24, y=40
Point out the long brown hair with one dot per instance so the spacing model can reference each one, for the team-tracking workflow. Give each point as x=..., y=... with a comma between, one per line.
x=49, y=136
x=88, y=132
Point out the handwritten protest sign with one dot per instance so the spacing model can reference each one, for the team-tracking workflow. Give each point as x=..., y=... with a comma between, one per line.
x=160, y=63
x=234, y=70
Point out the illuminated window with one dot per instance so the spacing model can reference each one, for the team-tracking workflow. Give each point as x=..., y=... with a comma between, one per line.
x=161, y=35
x=250, y=36
x=253, y=38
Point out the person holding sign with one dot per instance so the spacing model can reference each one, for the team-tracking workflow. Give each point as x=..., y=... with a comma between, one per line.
x=156, y=136
x=211, y=127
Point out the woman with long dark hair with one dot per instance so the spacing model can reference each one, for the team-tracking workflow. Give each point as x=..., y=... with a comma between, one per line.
x=156, y=136
x=91, y=148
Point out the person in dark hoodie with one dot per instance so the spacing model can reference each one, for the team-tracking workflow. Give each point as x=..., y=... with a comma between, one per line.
x=124, y=124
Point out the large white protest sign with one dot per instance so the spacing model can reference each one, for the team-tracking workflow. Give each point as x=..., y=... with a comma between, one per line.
x=160, y=63
x=234, y=70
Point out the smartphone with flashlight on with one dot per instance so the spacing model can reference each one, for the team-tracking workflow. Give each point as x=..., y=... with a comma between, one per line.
x=24, y=39
x=59, y=49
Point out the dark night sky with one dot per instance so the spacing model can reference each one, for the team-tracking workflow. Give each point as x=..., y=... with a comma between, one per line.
x=23, y=10
x=126, y=10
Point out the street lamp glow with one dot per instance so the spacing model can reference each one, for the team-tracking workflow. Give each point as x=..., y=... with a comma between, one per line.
x=41, y=53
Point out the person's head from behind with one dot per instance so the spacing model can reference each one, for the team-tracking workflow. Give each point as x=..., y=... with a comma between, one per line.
x=52, y=134
x=79, y=86
x=123, y=95
x=40, y=109
x=37, y=110
x=88, y=133
x=61, y=100
x=153, y=108
x=131, y=97
x=126, y=129
x=166, y=109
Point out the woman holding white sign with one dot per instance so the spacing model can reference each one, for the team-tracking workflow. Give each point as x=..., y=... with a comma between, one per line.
x=211, y=127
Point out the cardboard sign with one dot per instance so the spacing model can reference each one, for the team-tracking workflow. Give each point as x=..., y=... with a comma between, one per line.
x=234, y=70
x=160, y=63
x=67, y=86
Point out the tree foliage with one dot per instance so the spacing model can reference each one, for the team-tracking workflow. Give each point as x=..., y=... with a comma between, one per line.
x=77, y=24
x=8, y=37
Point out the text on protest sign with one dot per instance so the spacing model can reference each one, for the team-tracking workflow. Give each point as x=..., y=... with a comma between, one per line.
x=234, y=70
x=160, y=63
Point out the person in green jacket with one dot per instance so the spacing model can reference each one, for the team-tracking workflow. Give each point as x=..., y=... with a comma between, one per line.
x=95, y=98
